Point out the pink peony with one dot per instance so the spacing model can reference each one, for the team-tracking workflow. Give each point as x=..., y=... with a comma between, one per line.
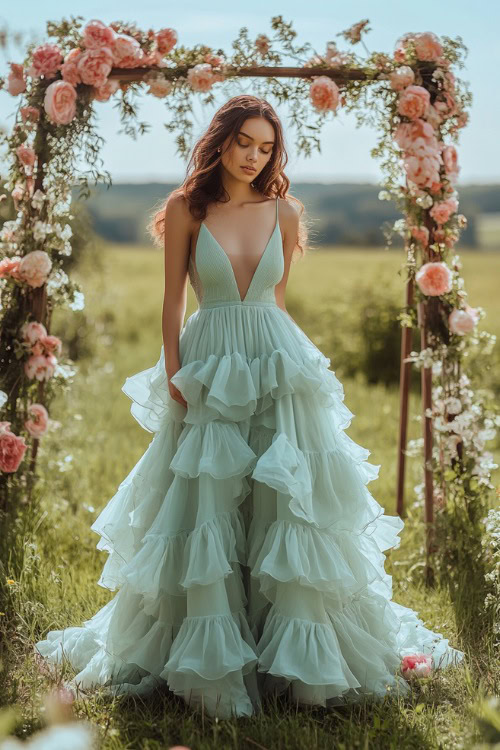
x=26, y=155
x=39, y=422
x=60, y=102
x=263, y=44
x=413, y=102
x=434, y=279
x=10, y=267
x=421, y=234
x=402, y=77
x=30, y=114
x=69, y=68
x=12, y=449
x=96, y=34
x=95, y=65
x=201, y=77
x=40, y=366
x=32, y=331
x=103, y=93
x=462, y=321
x=417, y=665
x=324, y=94
x=441, y=212
x=16, y=81
x=166, y=39
x=427, y=46
x=46, y=61
x=35, y=268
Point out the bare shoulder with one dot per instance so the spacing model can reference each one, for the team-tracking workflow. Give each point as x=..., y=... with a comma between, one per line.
x=289, y=217
x=177, y=210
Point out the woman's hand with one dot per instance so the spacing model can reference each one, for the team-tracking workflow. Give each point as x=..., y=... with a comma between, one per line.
x=175, y=392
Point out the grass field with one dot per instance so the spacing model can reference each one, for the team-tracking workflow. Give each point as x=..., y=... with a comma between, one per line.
x=98, y=442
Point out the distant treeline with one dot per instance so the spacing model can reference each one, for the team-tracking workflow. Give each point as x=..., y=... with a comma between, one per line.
x=338, y=214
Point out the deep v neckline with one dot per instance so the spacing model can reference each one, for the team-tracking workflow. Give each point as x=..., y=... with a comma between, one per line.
x=276, y=227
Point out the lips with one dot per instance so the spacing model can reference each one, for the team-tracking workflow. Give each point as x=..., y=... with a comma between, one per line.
x=249, y=170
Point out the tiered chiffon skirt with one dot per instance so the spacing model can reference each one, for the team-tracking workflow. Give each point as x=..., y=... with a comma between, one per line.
x=245, y=548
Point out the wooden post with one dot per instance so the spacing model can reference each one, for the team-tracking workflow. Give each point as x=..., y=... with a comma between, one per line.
x=404, y=390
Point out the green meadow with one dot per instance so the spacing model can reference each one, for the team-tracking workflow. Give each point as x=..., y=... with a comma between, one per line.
x=98, y=442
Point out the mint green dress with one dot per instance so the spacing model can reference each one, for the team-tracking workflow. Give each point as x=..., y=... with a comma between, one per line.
x=245, y=548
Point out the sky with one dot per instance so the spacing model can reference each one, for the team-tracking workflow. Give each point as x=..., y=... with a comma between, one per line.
x=345, y=147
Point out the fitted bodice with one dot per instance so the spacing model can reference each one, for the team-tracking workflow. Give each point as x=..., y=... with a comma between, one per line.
x=212, y=277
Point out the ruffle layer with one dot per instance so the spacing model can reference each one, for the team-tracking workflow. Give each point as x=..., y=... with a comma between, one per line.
x=234, y=387
x=189, y=558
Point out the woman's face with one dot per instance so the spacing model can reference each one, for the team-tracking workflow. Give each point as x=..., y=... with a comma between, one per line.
x=252, y=148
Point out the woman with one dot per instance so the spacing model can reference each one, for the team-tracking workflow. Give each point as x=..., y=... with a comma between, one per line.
x=246, y=548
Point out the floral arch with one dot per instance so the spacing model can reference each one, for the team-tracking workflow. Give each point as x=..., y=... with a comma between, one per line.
x=411, y=96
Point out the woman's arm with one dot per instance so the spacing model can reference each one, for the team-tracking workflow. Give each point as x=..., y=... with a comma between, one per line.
x=176, y=260
x=289, y=224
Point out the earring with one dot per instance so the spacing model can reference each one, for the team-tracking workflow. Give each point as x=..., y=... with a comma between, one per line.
x=218, y=149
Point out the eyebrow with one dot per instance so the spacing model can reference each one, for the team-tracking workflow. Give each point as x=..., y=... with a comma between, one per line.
x=249, y=136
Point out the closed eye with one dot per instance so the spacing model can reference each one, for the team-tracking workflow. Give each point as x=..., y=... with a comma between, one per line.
x=245, y=145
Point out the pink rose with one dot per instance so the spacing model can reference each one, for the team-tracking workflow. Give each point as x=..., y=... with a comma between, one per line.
x=12, y=449
x=441, y=212
x=69, y=68
x=462, y=321
x=201, y=78
x=95, y=65
x=16, y=81
x=407, y=133
x=30, y=114
x=402, y=77
x=427, y=46
x=450, y=159
x=324, y=94
x=433, y=117
x=402, y=45
x=96, y=34
x=40, y=366
x=263, y=44
x=159, y=87
x=39, y=422
x=166, y=39
x=60, y=102
x=434, y=279
x=416, y=665
x=103, y=93
x=32, y=331
x=9, y=267
x=421, y=234
x=35, y=268
x=125, y=49
x=413, y=102
x=26, y=155
x=46, y=61
x=51, y=344
x=423, y=172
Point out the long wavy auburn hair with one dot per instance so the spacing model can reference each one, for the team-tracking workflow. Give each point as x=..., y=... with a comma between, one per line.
x=203, y=184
